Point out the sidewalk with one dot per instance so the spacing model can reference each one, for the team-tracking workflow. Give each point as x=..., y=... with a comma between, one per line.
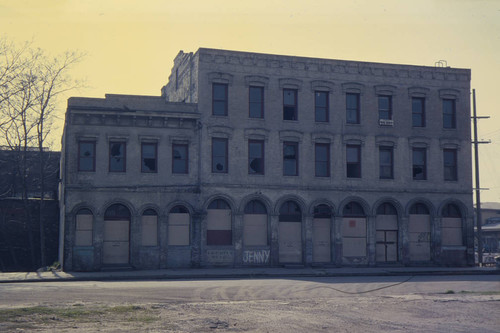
x=240, y=273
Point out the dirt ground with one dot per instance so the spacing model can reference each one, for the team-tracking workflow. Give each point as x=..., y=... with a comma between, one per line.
x=416, y=313
x=329, y=305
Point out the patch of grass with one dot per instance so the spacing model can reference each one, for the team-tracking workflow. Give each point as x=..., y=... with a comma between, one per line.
x=497, y=292
x=124, y=309
x=449, y=291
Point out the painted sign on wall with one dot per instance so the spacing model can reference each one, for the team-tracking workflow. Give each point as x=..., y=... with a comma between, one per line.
x=256, y=257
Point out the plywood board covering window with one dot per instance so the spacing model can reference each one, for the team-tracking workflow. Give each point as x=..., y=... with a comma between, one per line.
x=83, y=235
x=178, y=229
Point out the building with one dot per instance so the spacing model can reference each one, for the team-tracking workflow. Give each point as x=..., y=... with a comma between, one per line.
x=22, y=211
x=490, y=228
x=253, y=159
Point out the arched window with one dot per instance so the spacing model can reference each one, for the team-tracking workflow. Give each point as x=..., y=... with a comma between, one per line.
x=419, y=209
x=84, y=227
x=451, y=223
x=353, y=209
x=451, y=210
x=386, y=209
x=255, y=207
x=322, y=212
x=117, y=212
x=219, y=231
x=178, y=226
x=255, y=224
x=290, y=212
x=149, y=223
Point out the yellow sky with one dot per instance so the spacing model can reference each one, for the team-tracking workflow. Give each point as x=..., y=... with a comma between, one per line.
x=131, y=44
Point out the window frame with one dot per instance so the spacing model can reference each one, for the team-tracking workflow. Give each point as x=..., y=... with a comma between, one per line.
x=226, y=143
x=93, y=157
x=453, y=167
x=356, y=110
x=391, y=165
x=155, y=145
x=358, y=162
x=424, y=165
x=326, y=146
x=186, y=161
x=262, y=157
x=124, y=156
x=296, y=147
x=420, y=114
x=294, y=106
x=388, y=110
x=257, y=103
x=225, y=100
x=325, y=108
x=449, y=116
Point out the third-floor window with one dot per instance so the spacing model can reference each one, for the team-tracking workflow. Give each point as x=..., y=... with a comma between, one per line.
x=290, y=104
x=256, y=102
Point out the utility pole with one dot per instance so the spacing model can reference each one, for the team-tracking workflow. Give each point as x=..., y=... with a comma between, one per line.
x=478, y=187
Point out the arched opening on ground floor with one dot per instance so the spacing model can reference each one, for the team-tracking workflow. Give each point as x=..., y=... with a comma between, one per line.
x=321, y=233
x=386, y=234
x=116, y=242
x=419, y=230
x=290, y=233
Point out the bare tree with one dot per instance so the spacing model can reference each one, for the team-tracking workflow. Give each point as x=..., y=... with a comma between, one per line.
x=31, y=84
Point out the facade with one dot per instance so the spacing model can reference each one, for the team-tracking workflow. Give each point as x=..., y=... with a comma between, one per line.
x=265, y=160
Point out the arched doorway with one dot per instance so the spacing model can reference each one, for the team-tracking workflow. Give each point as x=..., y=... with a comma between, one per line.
x=353, y=230
x=419, y=228
x=178, y=226
x=386, y=233
x=219, y=230
x=321, y=233
x=149, y=228
x=255, y=224
x=290, y=233
x=116, y=242
x=451, y=223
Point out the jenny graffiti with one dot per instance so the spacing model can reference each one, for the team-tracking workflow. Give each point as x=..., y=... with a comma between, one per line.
x=256, y=257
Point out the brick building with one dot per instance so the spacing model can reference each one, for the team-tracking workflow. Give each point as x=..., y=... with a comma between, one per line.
x=256, y=159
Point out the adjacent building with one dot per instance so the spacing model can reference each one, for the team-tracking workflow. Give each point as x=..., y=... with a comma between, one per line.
x=253, y=159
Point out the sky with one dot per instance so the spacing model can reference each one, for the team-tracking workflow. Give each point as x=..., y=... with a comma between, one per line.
x=130, y=45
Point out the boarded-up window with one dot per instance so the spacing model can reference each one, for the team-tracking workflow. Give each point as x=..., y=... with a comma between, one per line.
x=219, y=231
x=83, y=234
x=353, y=231
x=149, y=224
x=290, y=233
x=386, y=233
x=451, y=223
x=178, y=226
x=255, y=224
x=419, y=227
x=321, y=233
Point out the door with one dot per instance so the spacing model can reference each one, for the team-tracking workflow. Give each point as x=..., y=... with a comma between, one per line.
x=420, y=237
x=387, y=238
x=321, y=240
x=116, y=242
x=290, y=242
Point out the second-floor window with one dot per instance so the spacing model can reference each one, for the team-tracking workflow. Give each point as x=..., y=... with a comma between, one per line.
x=449, y=116
x=290, y=159
x=86, y=156
x=219, y=99
x=148, y=157
x=384, y=107
x=352, y=108
x=353, y=161
x=450, y=164
x=290, y=104
x=418, y=112
x=419, y=164
x=322, y=159
x=256, y=157
x=117, y=156
x=321, y=106
x=256, y=102
x=386, y=163
x=180, y=158
x=219, y=155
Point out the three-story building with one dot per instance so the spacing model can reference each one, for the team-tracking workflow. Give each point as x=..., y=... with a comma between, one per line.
x=254, y=159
